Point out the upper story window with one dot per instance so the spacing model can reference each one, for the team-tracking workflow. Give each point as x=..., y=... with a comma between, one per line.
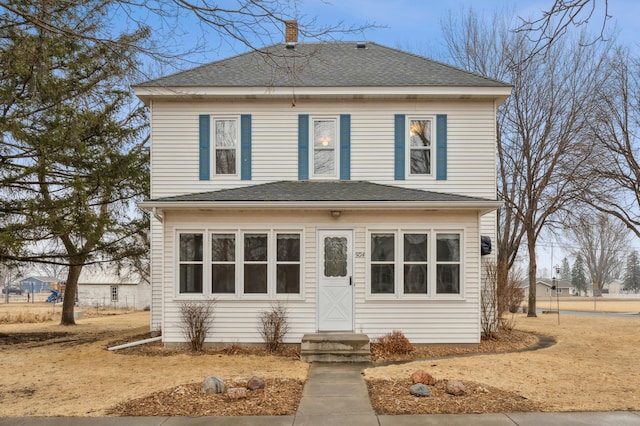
x=225, y=146
x=420, y=145
x=324, y=156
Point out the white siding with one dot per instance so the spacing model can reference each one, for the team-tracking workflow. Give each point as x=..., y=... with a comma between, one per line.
x=470, y=143
x=422, y=321
x=130, y=296
x=471, y=170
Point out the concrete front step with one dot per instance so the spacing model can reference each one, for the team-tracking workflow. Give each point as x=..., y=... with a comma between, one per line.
x=335, y=347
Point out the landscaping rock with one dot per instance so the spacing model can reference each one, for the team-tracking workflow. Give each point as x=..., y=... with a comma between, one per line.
x=237, y=393
x=419, y=389
x=255, y=383
x=212, y=385
x=421, y=376
x=455, y=388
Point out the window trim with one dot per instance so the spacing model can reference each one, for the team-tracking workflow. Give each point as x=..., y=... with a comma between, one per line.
x=238, y=294
x=431, y=149
x=336, y=147
x=214, y=149
x=399, y=263
x=179, y=262
x=211, y=262
x=449, y=262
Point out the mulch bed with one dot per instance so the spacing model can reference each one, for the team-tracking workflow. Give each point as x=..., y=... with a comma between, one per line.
x=393, y=397
x=279, y=397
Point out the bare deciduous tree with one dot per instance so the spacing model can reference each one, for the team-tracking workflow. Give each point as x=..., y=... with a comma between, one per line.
x=554, y=23
x=603, y=242
x=612, y=180
x=539, y=126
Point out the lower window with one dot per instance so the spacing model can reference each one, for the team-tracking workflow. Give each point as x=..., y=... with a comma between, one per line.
x=448, y=263
x=251, y=263
x=401, y=263
x=190, y=262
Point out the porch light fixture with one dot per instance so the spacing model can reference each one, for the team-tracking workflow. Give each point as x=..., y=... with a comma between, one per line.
x=335, y=213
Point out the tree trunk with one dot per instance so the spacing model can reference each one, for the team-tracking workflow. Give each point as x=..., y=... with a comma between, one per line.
x=531, y=312
x=70, y=289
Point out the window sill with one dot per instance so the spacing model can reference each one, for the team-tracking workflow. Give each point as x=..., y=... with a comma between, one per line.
x=414, y=298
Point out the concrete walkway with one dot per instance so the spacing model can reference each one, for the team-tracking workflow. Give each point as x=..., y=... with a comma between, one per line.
x=336, y=395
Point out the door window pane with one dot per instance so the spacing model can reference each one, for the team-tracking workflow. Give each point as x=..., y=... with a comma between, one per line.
x=335, y=257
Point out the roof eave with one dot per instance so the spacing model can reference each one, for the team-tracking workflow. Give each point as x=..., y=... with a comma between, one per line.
x=146, y=93
x=481, y=206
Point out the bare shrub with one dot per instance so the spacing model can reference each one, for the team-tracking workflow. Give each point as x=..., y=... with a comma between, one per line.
x=274, y=325
x=489, y=307
x=499, y=300
x=394, y=343
x=197, y=318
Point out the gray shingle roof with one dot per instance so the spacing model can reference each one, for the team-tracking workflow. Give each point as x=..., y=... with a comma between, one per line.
x=335, y=64
x=336, y=191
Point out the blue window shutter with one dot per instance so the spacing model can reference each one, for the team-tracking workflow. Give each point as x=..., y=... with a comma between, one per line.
x=345, y=147
x=245, y=147
x=303, y=147
x=441, y=147
x=399, y=146
x=205, y=154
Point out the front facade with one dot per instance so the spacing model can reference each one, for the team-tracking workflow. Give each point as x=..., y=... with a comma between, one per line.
x=354, y=188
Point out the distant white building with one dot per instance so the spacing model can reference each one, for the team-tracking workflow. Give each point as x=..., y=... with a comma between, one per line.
x=107, y=288
x=615, y=286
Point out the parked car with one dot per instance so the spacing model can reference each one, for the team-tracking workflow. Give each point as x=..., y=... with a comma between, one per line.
x=13, y=290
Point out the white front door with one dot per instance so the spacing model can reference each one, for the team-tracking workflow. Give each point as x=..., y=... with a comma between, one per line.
x=335, y=280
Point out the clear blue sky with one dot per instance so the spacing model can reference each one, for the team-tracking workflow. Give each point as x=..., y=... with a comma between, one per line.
x=413, y=25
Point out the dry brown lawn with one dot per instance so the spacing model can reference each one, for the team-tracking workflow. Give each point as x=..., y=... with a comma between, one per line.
x=592, y=367
x=74, y=374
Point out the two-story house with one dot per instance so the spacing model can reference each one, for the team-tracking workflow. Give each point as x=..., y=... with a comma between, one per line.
x=350, y=181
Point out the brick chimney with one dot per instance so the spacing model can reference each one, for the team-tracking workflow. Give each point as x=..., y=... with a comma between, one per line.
x=291, y=31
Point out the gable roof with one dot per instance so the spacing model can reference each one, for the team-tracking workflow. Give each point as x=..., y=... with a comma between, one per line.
x=335, y=64
x=332, y=194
